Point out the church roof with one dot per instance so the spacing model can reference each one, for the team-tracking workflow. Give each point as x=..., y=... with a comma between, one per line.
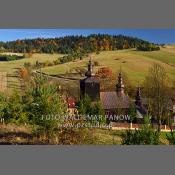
x=90, y=76
x=91, y=79
x=110, y=100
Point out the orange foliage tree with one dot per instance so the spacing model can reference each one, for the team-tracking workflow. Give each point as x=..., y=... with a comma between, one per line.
x=107, y=78
x=24, y=74
x=105, y=73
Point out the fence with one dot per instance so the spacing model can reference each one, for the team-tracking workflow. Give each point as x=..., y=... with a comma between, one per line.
x=3, y=81
x=133, y=126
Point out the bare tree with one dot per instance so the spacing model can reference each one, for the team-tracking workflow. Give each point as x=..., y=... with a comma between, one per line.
x=156, y=86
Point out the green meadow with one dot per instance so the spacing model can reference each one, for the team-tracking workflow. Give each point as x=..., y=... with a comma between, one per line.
x=134, y=63
x=11, y=67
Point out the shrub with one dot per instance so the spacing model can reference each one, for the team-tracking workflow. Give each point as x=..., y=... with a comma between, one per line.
x=144, y=136
x=97, y=52
x=96, y=63
x=14, y=111
x=46, y=63
x=28, y=55
x=86, y=107
x=24, y=74
x=27, y=65
x=10, y=57
x=171, y=137
x=63, y=60
x=56, y=62
x=3, y=105
x=148, y=47
x=50, y=64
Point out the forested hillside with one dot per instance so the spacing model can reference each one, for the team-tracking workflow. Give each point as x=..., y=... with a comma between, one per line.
x=78, y=44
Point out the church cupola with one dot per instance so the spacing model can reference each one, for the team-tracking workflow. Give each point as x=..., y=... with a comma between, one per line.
x=90, y=85
x=89, y=73
x=120, y=86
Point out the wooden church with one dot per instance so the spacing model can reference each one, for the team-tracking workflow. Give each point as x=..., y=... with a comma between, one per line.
x=112, y=101
x=90, y=85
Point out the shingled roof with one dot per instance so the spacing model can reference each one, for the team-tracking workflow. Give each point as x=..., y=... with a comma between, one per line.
x=110, y=100
x=90, y=80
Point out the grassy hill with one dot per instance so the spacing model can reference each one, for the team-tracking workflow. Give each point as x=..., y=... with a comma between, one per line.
x=11, y=67
x=134, y=63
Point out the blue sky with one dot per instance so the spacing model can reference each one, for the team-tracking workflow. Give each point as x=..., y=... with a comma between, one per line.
x=166, y=36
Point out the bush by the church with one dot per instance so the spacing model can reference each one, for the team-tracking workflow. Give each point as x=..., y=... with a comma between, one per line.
x=144, y=136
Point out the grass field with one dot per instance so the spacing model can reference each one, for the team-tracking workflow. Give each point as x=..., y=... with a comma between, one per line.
x=12, y=66
x=112, y=137
x=134, y=63
x=12, y=134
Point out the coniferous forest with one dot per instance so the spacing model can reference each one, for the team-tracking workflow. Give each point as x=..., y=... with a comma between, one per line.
x=77, y=44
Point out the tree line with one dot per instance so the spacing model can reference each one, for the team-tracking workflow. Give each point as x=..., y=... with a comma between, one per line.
x=148, y=47
x=79, y=44
x=10, y=57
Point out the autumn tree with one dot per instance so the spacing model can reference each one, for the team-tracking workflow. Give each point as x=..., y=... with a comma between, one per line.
x=105, y=72
x=24, y=74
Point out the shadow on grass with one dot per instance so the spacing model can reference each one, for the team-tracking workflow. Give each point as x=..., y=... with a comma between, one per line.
x=20, y=138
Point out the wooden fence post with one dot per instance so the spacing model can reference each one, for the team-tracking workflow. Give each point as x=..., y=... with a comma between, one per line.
x=131, y=125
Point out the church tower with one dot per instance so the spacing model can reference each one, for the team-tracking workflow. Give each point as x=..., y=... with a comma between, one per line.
x=139, y=103
x=120, y=86
x=90, y=85
x=90, y=73
x=138, y=100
